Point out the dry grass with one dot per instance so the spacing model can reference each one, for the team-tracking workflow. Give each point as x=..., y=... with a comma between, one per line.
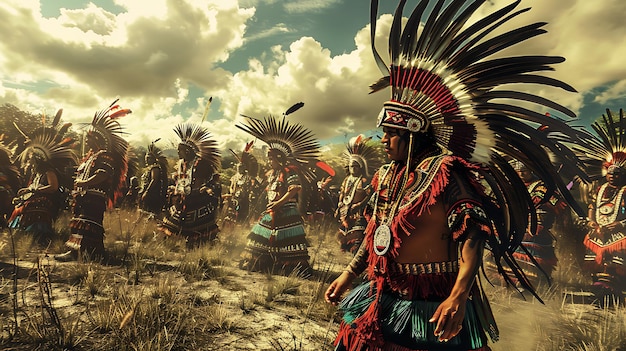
x=154, y=294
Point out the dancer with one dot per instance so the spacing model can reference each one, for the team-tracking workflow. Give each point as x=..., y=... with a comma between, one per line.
x=47, y=155
x=361, y=161
x=154, y=181
x=98, y=185
x=430, y=216
x=197, y=191
x=278, y=241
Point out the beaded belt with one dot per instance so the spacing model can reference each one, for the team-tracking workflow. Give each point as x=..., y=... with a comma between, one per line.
x=424, y=268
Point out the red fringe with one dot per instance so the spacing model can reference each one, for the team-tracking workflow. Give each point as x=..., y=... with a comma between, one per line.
x=617, y=246
x=483, y=227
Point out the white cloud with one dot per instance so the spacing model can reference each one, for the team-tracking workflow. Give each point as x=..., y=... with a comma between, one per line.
x=303, y=6
x=614, y=92
x=154, y=52
x=278, y=28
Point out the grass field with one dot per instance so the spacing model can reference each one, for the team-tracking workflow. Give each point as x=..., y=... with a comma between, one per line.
x=153, y=294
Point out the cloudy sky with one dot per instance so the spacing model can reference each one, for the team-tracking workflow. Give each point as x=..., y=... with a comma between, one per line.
x=165, y=58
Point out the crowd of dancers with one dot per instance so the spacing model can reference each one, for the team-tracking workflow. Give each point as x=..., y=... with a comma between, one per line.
x=464, y=172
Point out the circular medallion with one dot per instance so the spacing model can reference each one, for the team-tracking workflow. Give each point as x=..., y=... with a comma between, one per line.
x=606, y=209
x=382, y=239
x=414, y=125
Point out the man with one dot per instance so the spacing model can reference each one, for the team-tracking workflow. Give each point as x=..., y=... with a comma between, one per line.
x=98, y=185
x=154, y=181
x=542, y=260
x=361, y=162
x=244, y=187
x=429, y=217
x=47, y=154
x=197, y=191
x=605, y=241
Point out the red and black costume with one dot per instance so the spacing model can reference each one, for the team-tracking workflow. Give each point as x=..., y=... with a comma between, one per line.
x=454, y=187
x=46, y=156
x=100, y=178
x=605, y=242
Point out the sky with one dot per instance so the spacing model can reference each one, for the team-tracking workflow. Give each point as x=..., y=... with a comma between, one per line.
x=165, y=58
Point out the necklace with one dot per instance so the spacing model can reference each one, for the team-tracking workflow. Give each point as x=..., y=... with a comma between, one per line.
x=606, y=212
x=382, y=235
x=350, y=189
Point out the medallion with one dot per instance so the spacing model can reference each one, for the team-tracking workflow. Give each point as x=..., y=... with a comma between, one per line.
x=382, y=239
x=607, y=208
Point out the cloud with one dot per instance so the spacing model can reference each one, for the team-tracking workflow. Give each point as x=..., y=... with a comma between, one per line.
x=277, y=29
x=304, y=6
x=161, y=57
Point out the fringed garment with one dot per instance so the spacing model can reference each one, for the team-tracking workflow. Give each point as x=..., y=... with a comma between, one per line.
x=606, y=249
x=278, y=241
x=89, y=205
x=352, y=223
x=541, y=243
x=193, y=214
x=391, y=311
x=36, y=212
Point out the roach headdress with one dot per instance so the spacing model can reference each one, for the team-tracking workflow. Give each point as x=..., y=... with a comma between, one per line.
x=446, y=83
x=359, y=149
x=198, y=139
x=293, y=143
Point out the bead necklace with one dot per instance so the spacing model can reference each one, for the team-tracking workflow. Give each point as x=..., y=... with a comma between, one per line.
x=382, y=235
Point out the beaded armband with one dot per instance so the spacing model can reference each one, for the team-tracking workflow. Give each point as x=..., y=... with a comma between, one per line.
x=359, y=261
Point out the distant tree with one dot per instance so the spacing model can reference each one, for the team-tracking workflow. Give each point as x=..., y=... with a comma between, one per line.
x=10, y=114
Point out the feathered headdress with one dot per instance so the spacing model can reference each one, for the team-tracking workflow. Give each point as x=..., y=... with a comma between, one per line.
x=156, y=153
x=443, y=82
x=107, y=131
x=359, y=149
x=294, y=142
x=48, y=145
x=247, y=160
x=606, y=149
x=199, y=140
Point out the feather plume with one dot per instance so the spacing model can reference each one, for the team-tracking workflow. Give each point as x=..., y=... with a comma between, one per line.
x=294, y=108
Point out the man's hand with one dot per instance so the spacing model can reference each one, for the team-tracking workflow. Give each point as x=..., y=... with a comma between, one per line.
x=449, y=318
x=338, y=287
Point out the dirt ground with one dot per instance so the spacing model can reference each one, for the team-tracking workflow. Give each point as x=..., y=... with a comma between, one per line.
x=153, y=294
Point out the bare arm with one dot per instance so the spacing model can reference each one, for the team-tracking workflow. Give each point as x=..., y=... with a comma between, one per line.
x=451, y=312
x=99, y=177
x=53, y=184
x=291, y=192
x=342, y=283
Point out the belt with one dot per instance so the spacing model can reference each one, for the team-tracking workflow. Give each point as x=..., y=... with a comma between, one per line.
x=424, y=268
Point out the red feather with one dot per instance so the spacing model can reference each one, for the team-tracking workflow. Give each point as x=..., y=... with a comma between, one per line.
x=120, y=113
x=325, y=167
x=248, y=146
